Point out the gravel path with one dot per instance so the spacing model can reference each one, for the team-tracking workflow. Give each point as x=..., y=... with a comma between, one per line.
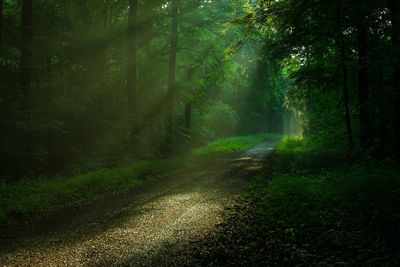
x=151, y=226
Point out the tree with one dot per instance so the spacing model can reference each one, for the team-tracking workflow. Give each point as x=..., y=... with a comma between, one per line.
x=343, y=60
x=171, y=76
x=82, y=103
x=26, y=53
x=25, y=77
x=395, y=21
x=363, y=92
x=1, y=22
x=132, y=68
x=188, y=105
x=329, y=39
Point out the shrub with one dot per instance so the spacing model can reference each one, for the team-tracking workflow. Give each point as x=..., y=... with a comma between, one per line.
x=347, y=213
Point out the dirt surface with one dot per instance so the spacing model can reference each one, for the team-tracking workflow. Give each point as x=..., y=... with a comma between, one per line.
x=150, y=226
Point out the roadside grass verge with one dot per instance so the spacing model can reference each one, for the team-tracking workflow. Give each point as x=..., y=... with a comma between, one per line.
x=233, y=144
x=26, y=199
x=324, y=207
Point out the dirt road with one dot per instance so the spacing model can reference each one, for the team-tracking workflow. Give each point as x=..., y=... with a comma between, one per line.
x=150, y=226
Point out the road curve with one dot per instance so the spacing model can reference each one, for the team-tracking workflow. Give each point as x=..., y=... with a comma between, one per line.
x=151, y=226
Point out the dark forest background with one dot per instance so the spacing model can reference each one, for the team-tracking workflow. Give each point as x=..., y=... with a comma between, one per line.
x=93, y=84
x=99, y=97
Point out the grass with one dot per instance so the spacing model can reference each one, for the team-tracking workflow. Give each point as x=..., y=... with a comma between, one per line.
x=321, y=208
x=233, y=144
x=31, y=198
x=25, y=199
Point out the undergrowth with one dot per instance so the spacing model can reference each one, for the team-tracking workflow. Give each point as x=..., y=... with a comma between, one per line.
x=32, y=198
x=324, y=207
x=28, y=198
x=233, y=144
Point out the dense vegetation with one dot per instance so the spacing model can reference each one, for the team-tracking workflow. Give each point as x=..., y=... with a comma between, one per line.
x=343, y=60
x=329, y=209
x=312, y=207
x=334, y=194
x=93, y=84
x=31, y=199
x=112, y=93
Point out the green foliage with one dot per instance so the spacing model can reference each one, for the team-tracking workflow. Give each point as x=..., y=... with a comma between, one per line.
x=317, y=44
x=79, y=120
x=321, y=213
x=299, y=154
x=27, y=198
x=33, y=198
x=331, y=214
x=233, y=144
x=216, y=121
x=291, y=145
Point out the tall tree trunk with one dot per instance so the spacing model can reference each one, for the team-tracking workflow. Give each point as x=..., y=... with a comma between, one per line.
x=394, y=11
x=103, y=52
x=1, y=23
x=363, y=94
x=99, y=58
x=346, y=96
x=188, y=116
x=188, y=106
x=171, y=76
x=25, y=76
x=345, y=80
x=26, y=53
x=380, y=104
x=132, y=68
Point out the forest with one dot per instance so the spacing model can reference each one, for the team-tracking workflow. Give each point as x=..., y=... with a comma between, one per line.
x=258, y=132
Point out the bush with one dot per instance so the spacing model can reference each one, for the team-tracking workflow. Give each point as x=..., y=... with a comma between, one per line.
x=346, y=214
x=216, y=121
